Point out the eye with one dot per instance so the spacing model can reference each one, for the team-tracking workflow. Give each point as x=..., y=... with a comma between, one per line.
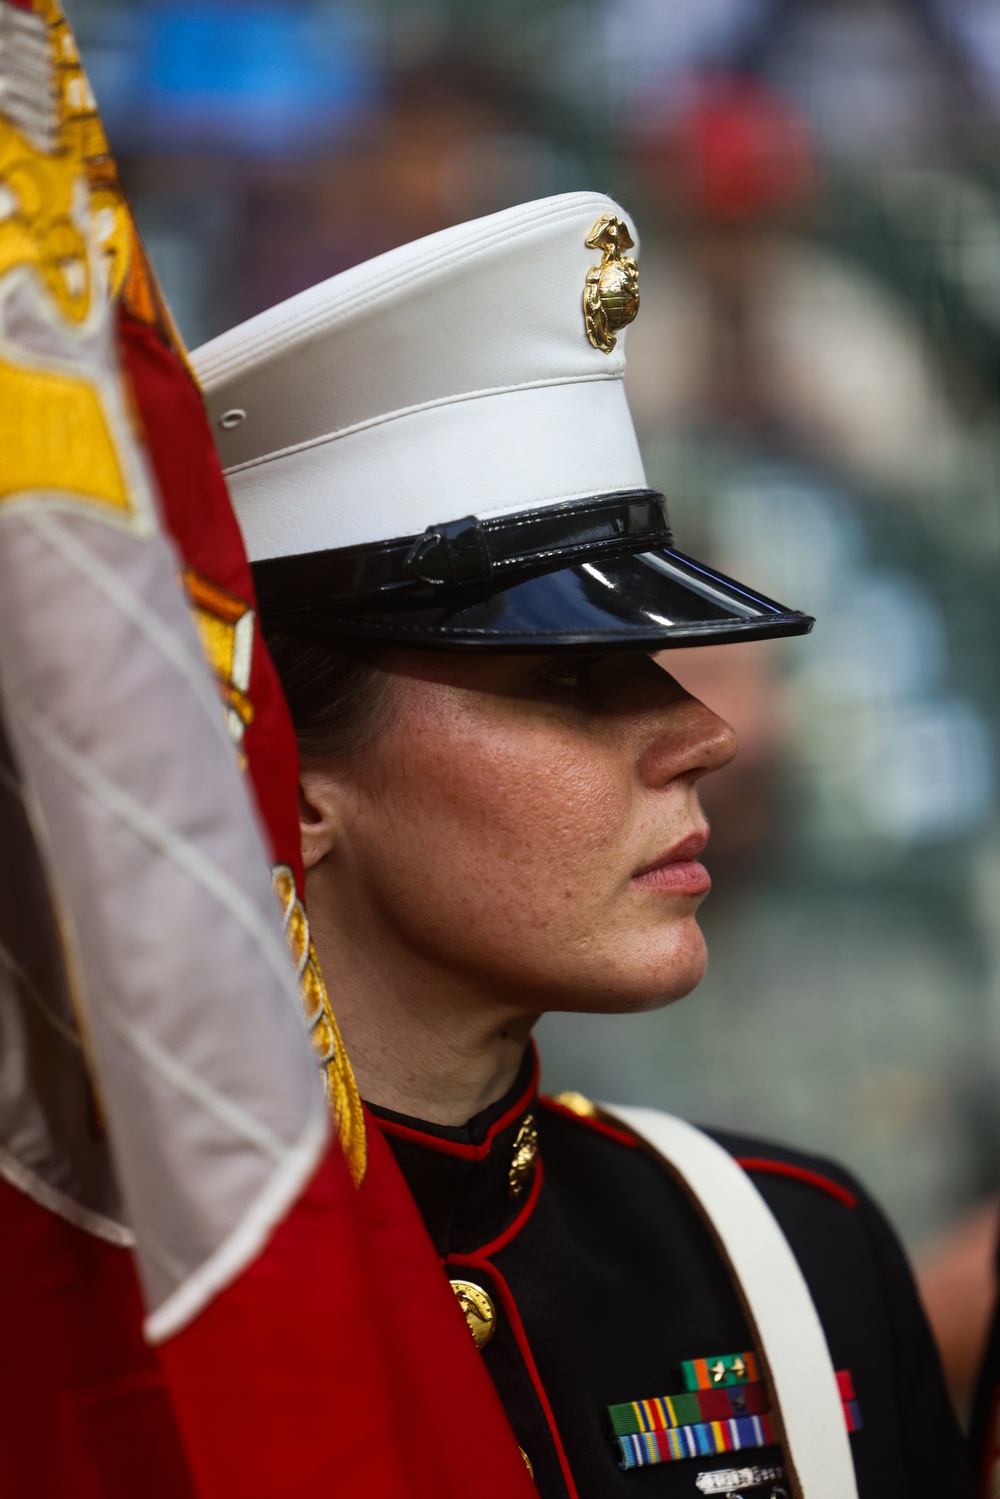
x=569, y=674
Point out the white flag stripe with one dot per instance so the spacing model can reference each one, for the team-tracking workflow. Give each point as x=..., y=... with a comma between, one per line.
x=246, y=1240
x=191, y=667
x=168, y=842
x=214, y=1105
x=48, y=1108
x=198, y=1090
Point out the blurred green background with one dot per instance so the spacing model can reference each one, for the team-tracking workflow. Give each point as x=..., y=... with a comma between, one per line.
x=815, y=374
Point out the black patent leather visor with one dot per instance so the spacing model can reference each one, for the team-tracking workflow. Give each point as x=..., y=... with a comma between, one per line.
x=600, y=572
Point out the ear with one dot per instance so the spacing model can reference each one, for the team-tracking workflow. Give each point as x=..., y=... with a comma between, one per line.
x=321, y=814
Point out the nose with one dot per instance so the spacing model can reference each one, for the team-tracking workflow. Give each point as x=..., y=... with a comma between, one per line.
x=687, y=739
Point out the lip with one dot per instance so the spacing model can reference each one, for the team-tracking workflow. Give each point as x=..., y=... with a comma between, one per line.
x=678, y=870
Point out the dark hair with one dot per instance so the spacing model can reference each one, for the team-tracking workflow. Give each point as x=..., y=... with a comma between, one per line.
x=338, y=694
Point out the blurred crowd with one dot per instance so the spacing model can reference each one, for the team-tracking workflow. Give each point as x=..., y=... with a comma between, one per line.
x=815, y=373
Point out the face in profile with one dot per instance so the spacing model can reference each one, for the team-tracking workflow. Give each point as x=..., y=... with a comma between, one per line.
x=525, y=829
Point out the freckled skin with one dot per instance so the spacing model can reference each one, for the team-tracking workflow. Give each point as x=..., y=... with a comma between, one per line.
x=475, y=866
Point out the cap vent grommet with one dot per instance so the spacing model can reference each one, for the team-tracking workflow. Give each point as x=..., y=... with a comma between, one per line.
x=230, y=419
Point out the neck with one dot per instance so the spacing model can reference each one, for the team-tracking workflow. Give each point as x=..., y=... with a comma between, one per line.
x=420, y=1042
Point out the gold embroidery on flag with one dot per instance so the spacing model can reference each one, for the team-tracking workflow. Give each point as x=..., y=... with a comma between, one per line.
x=341, y=1089
x=81, y=134
x=225, y=628
x=67, y=245
x=42, y=227
x=53, y=435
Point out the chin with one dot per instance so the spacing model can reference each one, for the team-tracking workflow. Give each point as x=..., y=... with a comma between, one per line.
x=653, y=978
x=658, y=996
x=671, y=968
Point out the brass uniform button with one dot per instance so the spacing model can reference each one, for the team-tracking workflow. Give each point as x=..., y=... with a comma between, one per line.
x=577, y=1104
x=478, y=1310
x=527, y=1462
x=523, y=1162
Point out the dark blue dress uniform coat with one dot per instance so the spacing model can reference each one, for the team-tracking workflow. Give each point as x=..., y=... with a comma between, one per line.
x=603, y=1279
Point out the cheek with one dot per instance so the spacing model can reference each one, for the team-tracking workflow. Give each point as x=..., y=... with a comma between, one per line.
x=506, y=853
x=505, y=830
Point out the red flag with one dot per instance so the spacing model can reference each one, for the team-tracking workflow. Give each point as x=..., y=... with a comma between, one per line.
x=306, y=1339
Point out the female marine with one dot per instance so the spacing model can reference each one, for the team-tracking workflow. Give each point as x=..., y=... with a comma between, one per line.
x=463, y=572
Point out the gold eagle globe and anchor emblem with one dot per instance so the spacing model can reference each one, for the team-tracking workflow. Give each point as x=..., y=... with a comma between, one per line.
x=523, y=1161
x=611, y=294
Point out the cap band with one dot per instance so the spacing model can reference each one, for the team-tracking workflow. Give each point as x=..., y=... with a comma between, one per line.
x=460, y=553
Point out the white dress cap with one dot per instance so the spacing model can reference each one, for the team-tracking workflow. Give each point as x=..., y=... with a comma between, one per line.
x=452, y=376
x=434, y=449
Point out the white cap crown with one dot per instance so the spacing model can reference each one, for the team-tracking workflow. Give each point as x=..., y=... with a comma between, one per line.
x=477, y=371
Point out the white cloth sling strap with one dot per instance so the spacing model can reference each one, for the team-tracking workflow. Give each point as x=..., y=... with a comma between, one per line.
x=775, y=1295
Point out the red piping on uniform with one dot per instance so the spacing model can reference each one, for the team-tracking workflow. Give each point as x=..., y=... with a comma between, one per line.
x=599, y=1125
x=749, y=1163
x=799, y=1173
x=515, y=1226
x=479, y=1262
x=456, y=1147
